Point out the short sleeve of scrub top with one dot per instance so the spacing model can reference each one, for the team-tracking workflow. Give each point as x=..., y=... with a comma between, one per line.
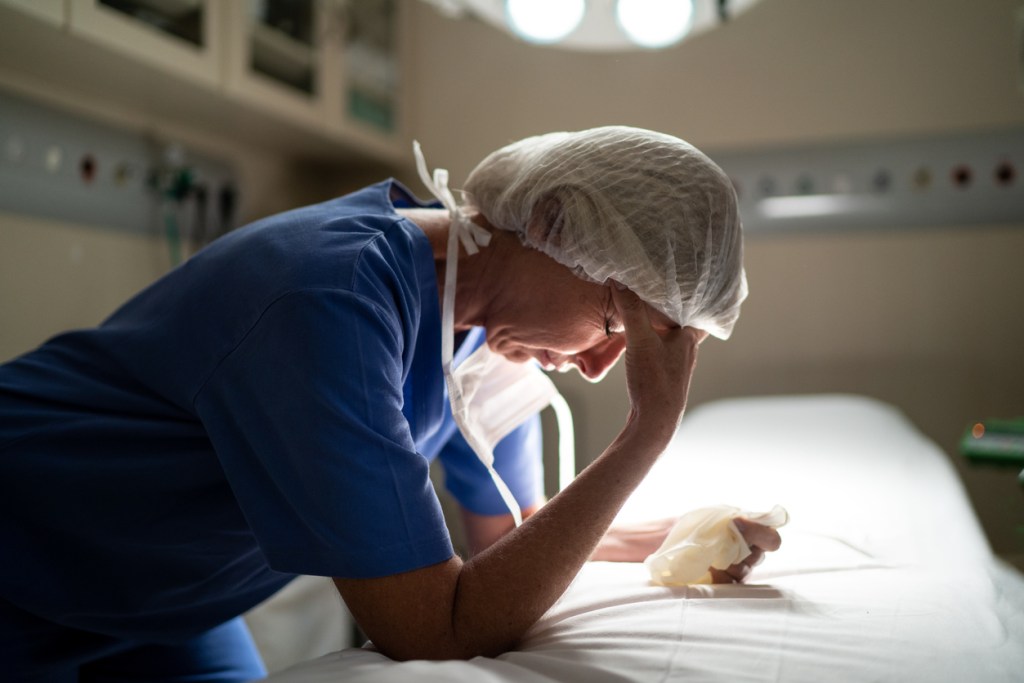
x=516, y=459
x=327, y=471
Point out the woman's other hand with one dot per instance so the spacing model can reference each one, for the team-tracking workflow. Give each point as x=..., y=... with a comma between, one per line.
x=634, y=542
x=760, y=538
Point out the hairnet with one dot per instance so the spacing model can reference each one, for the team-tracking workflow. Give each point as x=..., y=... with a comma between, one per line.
x=643, y=208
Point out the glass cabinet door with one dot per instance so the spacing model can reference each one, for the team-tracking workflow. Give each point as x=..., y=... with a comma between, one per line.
x=283, y=42
x=179, y=36
x=275, y=56
x=182, y=19
x=325, y=64
x=371, y=64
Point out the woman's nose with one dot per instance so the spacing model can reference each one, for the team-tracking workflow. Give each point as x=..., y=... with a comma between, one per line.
x=595, y=362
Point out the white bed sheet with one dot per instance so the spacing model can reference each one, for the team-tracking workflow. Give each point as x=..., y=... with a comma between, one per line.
x=884, y=574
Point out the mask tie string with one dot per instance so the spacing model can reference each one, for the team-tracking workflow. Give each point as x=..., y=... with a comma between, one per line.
x=461, y=230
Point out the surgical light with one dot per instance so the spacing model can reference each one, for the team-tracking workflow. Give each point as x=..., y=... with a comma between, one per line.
x=599, y=25
x=544, y=21
x=655, y=23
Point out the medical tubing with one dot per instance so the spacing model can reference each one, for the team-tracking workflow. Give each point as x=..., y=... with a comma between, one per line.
x=566, y=441
x=173, y=234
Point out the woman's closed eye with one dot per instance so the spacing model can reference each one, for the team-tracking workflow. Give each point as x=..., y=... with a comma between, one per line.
x=611, y=324
x=612, y=327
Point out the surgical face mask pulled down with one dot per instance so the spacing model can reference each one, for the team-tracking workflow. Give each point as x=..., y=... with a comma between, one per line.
x=489, y=394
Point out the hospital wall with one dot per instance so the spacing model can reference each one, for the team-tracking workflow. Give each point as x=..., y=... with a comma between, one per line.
x=58, y=275
x=928, y=319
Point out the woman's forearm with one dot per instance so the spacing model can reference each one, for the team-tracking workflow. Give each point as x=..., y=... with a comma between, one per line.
x=484, y=606
x=505, y=589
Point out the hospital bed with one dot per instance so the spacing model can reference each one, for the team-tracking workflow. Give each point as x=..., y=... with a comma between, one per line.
x=884, y=574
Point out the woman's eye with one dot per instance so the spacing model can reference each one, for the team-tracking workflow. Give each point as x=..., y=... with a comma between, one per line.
x=612, y=328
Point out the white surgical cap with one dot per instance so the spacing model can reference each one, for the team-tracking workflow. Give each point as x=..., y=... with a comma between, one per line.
x=643, y=208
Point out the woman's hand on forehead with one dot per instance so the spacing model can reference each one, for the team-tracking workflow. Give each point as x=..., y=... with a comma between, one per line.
x=659, y=364
x=658, y=320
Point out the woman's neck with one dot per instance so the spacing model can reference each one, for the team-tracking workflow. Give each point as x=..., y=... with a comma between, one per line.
x=477, y=273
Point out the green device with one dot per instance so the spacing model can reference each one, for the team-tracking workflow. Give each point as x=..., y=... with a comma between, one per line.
x=995, y=441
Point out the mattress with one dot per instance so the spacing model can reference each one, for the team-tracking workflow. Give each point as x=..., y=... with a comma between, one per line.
x=884, y=573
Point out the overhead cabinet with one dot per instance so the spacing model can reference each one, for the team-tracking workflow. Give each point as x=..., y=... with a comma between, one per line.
x=179, y=36
x=321, y=77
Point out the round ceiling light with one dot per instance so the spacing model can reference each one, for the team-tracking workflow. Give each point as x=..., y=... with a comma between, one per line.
x=544, y=21
x=655, y=23
x=599, y=25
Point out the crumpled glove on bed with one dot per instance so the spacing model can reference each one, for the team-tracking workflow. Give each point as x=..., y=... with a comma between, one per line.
x=704, y=538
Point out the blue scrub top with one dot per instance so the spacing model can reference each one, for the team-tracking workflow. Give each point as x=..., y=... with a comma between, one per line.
x=269, y=408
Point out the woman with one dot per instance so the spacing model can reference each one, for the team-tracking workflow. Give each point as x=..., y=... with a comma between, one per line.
x=271, y=408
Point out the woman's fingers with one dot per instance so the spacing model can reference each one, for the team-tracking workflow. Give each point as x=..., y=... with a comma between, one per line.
x=739, y=571
x=633, y=313
x=760, y=539
x=758, y=534
x=659, y=364
x=756, y=556
x=733, y=574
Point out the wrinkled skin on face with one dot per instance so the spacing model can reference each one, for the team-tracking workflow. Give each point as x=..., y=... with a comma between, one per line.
x=547, y=313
